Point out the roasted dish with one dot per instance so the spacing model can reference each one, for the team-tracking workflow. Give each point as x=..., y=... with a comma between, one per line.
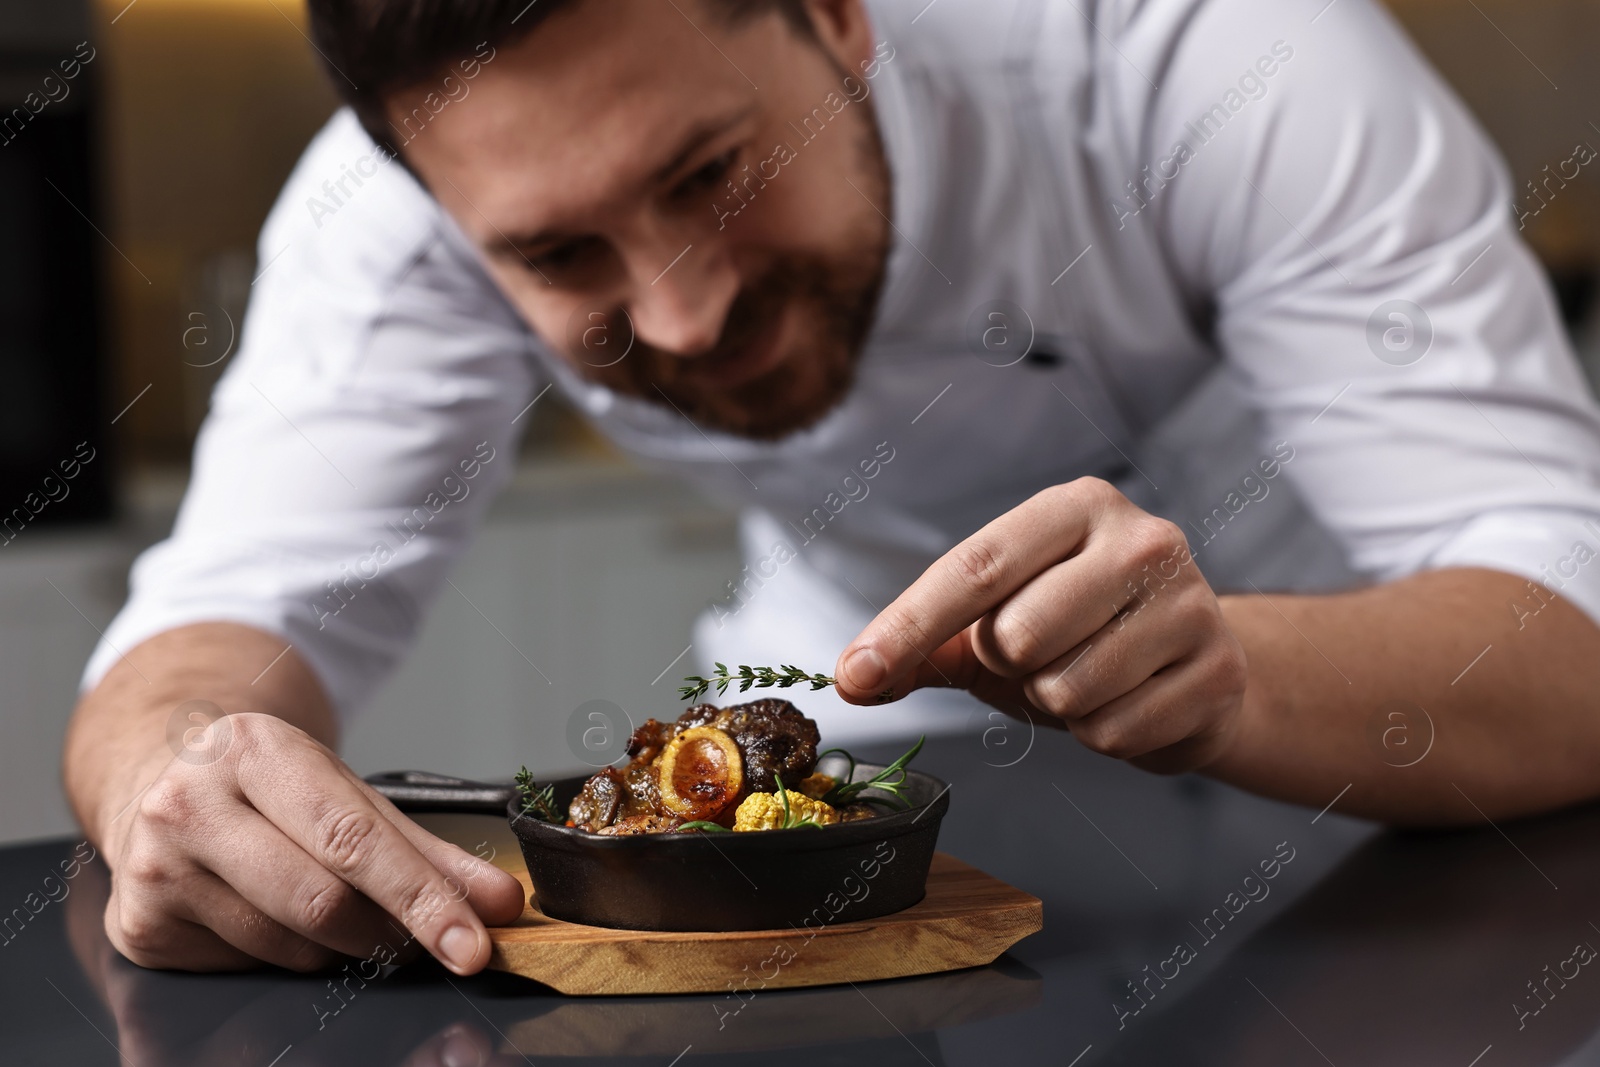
x=628, y=848
x=744, y=768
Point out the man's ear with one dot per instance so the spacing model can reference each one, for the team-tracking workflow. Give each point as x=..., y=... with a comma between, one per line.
x=844, y=30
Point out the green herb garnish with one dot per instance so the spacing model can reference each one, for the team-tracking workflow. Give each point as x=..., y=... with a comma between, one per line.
x=759, y=677
x=891, y=780
x=539, y=801
x=702, y=824
x=791, y=821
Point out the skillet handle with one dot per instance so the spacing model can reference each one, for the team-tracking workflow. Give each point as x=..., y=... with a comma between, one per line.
x=421, y=791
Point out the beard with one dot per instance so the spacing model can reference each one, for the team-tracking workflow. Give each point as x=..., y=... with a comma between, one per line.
x=834, y=309
x=831, y=302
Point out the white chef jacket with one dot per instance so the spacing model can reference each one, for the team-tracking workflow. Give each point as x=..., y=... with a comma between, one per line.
x=1198, y=211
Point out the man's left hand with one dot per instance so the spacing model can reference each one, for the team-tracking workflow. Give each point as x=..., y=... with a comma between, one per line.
x=1078, y=608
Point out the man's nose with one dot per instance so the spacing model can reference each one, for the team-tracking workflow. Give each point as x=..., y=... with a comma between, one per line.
x=681, y=308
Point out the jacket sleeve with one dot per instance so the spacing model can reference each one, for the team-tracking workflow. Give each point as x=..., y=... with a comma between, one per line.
x=355, y=441
x=1353, y=232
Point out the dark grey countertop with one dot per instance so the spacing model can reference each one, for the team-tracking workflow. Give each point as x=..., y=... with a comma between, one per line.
x=1365, y=948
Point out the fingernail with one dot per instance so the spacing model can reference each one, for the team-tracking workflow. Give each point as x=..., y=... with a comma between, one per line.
x=459, y=945
x=866, y=669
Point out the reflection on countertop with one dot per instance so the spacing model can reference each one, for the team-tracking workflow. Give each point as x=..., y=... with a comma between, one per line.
x=1419, y=948
x=1370, y=948
x=419, y=1014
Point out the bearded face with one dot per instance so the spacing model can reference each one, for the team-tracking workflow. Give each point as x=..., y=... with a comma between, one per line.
x=618, y=175
x=786, y=356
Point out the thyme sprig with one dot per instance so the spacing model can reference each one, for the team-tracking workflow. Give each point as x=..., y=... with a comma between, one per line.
x=891, y=780
x=539, y=801
x=747, y=677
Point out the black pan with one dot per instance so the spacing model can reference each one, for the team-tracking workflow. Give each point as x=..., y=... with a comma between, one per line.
x=766, y=880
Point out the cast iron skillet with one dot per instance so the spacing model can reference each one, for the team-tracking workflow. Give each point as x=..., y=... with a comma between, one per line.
x=768, y=880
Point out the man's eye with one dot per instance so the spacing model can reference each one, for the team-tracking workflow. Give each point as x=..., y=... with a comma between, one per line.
x=554, y=259
x=562, y=258
x=710, y=174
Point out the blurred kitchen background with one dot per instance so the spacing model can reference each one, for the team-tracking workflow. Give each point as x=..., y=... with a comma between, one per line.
x=129, y=206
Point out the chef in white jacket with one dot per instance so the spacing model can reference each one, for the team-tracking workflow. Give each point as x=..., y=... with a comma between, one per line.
x=998, y=320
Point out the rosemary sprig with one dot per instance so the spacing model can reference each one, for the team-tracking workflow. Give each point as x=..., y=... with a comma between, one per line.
x=538, y=801
x=702, y=824
x=791, y=821
x=891, y=780
x=759, y=677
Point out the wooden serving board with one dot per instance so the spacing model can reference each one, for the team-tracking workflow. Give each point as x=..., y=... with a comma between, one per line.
x=967, y=919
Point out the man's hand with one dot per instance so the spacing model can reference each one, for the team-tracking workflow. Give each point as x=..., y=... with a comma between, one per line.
x=1078, y=606
x=250, y=840
x=276, y=851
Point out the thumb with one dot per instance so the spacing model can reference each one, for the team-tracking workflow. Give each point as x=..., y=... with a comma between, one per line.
x=953, y=665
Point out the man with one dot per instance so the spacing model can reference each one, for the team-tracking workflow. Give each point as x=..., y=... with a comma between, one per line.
x=971, y=260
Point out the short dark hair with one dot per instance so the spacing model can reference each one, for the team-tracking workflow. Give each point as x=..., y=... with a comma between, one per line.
x=373, y=49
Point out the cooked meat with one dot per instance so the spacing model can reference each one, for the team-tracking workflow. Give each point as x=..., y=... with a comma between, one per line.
x=650, y=823
x=648, y=740
x=701, y=774
x=644, y=789
x=773, y=736
x=599, y=801
x=616, y=794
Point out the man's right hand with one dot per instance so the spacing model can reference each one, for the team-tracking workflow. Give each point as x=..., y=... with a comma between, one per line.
x=255, y=842
x=276, y=851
